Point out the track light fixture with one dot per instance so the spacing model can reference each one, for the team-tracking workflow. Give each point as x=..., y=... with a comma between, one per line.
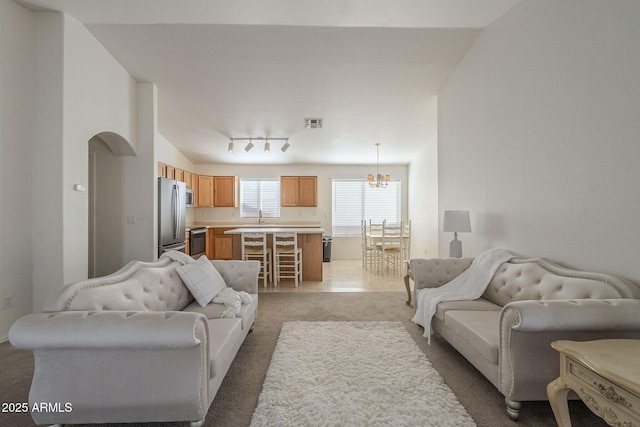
x=267, y=143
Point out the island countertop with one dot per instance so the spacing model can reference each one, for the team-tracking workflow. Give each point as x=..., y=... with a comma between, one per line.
x=237, y=224
x=271, y=230
x=309, y=240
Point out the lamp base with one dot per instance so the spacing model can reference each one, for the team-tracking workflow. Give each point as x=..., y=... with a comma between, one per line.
x=455, y=247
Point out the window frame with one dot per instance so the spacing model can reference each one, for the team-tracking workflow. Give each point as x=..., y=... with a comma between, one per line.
x=270, y=208
x=366, y=205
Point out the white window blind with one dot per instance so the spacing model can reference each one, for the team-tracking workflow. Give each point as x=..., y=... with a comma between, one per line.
x=354, y=200
x=259, y=194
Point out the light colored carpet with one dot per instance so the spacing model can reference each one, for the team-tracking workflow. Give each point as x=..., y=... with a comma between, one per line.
x=353, y=373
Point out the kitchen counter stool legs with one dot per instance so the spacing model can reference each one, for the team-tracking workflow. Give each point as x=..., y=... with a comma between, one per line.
x=287, y=257
x=254, y=247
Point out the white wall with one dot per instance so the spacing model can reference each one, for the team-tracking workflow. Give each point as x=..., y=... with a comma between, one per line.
x=423, y=202
x=538, y=135
x=47, y=224
x=16, y=110
x=167, y=153
x=342, y=248
x=81, y=91
x=140, y=191
x=423, y=197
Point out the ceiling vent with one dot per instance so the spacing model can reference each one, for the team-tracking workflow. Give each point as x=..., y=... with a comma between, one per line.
x=313, y=123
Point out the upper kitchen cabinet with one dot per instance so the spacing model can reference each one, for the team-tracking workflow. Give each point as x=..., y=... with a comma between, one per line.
x=204, y=191
x=170, y=172
x=225, y=191
x=300, y=191
x=188, y=179
x=216, y=191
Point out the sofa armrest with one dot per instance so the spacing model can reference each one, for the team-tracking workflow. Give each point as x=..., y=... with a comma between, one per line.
x=109, y=329
x=527, y=363
x=104, y=365
x=570, y=315
x=240, y=275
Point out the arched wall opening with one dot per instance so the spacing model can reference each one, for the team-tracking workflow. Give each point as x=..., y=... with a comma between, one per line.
x=107, y=182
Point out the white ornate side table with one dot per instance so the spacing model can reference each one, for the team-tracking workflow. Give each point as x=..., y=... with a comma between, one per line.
x=606, y=376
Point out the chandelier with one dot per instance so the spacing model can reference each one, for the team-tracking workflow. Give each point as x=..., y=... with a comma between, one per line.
x=379, y=180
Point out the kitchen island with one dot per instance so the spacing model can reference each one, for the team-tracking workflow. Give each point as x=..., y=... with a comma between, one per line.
x=309, y=239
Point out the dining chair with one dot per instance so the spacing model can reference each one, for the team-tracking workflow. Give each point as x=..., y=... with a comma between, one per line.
x=254, y=247
x=368, y=247
x=391, y=248
x=375, y=238
x=288, y=257
x=406, y=240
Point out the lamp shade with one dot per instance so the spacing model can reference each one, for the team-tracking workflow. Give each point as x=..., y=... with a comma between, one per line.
x=456, y=221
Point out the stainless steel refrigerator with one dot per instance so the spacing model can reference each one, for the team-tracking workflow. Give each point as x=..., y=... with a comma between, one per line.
x=171, y=215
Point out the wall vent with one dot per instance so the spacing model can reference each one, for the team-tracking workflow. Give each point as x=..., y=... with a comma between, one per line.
x=313, y=123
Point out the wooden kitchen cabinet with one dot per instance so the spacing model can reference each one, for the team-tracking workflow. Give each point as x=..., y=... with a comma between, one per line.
x=204, y=193
x=289, y=191
x=222, y=246
x=299, y=191
x=162, y=170
x=168, y=171
x=308, y=191
x=225, y=191
x=188, y=179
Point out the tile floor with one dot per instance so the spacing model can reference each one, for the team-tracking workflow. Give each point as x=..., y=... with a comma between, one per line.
x=346, y=276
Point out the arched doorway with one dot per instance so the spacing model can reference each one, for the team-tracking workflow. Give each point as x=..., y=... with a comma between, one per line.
x=106, y=185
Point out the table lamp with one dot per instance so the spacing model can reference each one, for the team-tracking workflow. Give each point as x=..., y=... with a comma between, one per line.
x=456, y=222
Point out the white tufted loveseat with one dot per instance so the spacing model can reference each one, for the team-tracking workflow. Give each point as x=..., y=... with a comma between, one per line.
x=529, y=303
x=134, y=346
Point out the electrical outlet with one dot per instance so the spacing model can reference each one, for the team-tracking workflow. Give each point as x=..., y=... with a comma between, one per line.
x=7, y=302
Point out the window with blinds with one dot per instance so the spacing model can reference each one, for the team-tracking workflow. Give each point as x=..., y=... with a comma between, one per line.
x=354, y=200
x=259, y=194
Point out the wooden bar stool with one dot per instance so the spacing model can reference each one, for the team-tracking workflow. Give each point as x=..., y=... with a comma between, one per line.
x=254, y=247
x=288, y=257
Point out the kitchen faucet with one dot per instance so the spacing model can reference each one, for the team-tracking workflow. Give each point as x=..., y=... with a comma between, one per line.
x=260, y=220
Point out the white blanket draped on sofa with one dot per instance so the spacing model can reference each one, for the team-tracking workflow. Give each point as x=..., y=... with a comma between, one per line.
x=469, y=285
x=228, y=297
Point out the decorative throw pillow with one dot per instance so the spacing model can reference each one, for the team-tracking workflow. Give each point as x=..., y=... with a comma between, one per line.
x=202, y=279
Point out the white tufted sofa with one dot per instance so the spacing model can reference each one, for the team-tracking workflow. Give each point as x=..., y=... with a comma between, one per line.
x=506, y=333
x=134, y=346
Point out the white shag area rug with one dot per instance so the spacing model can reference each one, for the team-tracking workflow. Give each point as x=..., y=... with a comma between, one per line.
x=353, y=374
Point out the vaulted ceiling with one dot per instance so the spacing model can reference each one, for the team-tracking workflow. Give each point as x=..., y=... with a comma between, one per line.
x=251, y=68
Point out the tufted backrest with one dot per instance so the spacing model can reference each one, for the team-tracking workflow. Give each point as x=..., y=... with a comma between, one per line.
x=435, y=272
x=240, y=275
x=138, y=286
x=540, y=279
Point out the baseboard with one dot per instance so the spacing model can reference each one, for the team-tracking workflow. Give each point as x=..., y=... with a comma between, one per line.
x=4, y=338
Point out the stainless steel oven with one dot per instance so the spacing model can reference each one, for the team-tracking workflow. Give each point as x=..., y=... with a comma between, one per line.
x=197, y=242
